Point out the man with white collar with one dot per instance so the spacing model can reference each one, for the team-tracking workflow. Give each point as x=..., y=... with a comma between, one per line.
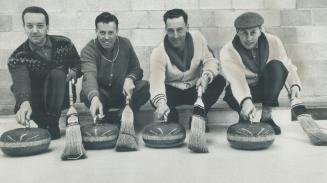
x=257, y=67
x=181, y=64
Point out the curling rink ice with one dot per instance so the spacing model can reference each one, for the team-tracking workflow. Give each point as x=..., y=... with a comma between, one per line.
x=291, y=159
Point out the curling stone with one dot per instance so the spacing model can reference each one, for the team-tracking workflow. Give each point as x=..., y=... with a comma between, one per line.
x=250, y=136
x=25, y=141
x=164, y=135
x=99, y=135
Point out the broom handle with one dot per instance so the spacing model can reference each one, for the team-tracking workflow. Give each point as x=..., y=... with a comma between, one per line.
x=71, y=95
x=289, y=92
x=128, y=98
x=289, y=96
x=288, y=89
x=200, y=91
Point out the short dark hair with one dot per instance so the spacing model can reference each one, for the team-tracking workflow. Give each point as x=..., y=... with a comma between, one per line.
x=106, y=17
x=175, y=13
x=36, y=9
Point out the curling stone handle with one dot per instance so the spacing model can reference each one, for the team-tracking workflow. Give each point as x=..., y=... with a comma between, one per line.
x=165, y=118
x=98, y=117
x=27, y=124
x=252, y=116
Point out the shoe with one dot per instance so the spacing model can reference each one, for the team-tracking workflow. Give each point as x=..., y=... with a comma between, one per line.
x=53, y=126
x=54, y=133
x=271, y=122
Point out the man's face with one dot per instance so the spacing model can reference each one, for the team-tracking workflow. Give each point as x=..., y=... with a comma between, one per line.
x=176, y=30
x=36, y=28
x=107, y=34
x=249, y=37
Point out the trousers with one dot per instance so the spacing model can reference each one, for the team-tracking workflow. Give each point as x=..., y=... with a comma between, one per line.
x=268, y=88
x=177, y=97
x=47, y=99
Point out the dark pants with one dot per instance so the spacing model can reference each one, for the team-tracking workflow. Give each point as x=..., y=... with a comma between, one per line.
x=268, y=88
x=177, y=97
x=116, y=99
x=47, y=99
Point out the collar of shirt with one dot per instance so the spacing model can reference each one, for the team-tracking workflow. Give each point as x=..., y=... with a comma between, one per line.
x=47, y=45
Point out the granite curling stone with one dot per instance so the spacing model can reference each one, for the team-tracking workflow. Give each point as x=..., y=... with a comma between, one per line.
x=164, y=135
x=250, y=136
x=25, y=141
x=99, y=135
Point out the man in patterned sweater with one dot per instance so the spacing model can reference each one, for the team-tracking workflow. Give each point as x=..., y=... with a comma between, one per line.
x=40, y=70
x=179, y=65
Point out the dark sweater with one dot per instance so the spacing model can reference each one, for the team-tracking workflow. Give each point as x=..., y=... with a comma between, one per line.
x=109, y=74
x=27, y=67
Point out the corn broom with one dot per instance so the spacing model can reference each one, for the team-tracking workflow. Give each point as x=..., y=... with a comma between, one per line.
x=127, y=140
x=74, y=148
x=197, y=140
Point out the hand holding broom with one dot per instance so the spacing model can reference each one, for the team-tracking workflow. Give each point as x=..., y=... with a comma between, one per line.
x=74, y=148
x=197, y=140
x=127, y=140
x=308, y=124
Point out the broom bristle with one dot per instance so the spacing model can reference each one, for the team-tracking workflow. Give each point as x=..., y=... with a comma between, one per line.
x=197, y=140
x=71, y=111
x=308, y=124
x=127, y=140
x=312, y=129
x=74, y=148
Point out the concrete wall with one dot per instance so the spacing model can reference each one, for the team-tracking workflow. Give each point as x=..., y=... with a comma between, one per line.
x=301, y=24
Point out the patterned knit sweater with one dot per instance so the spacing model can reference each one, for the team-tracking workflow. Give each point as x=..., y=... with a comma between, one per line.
x=26, y=66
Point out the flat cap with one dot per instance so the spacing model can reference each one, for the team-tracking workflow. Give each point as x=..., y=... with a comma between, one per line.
x=248, y=20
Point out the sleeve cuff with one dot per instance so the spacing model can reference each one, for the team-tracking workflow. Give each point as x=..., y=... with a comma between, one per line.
x=297, y=86
x=157, y=98
x=92, y=94
x=22, y=98
x=241, y=103
x=131, y=76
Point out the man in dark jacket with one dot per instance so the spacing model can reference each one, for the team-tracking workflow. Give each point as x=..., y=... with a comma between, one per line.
x=39, y=70
x=111, y=70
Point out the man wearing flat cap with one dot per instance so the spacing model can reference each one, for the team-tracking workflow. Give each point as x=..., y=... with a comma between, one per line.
x=257, y=67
